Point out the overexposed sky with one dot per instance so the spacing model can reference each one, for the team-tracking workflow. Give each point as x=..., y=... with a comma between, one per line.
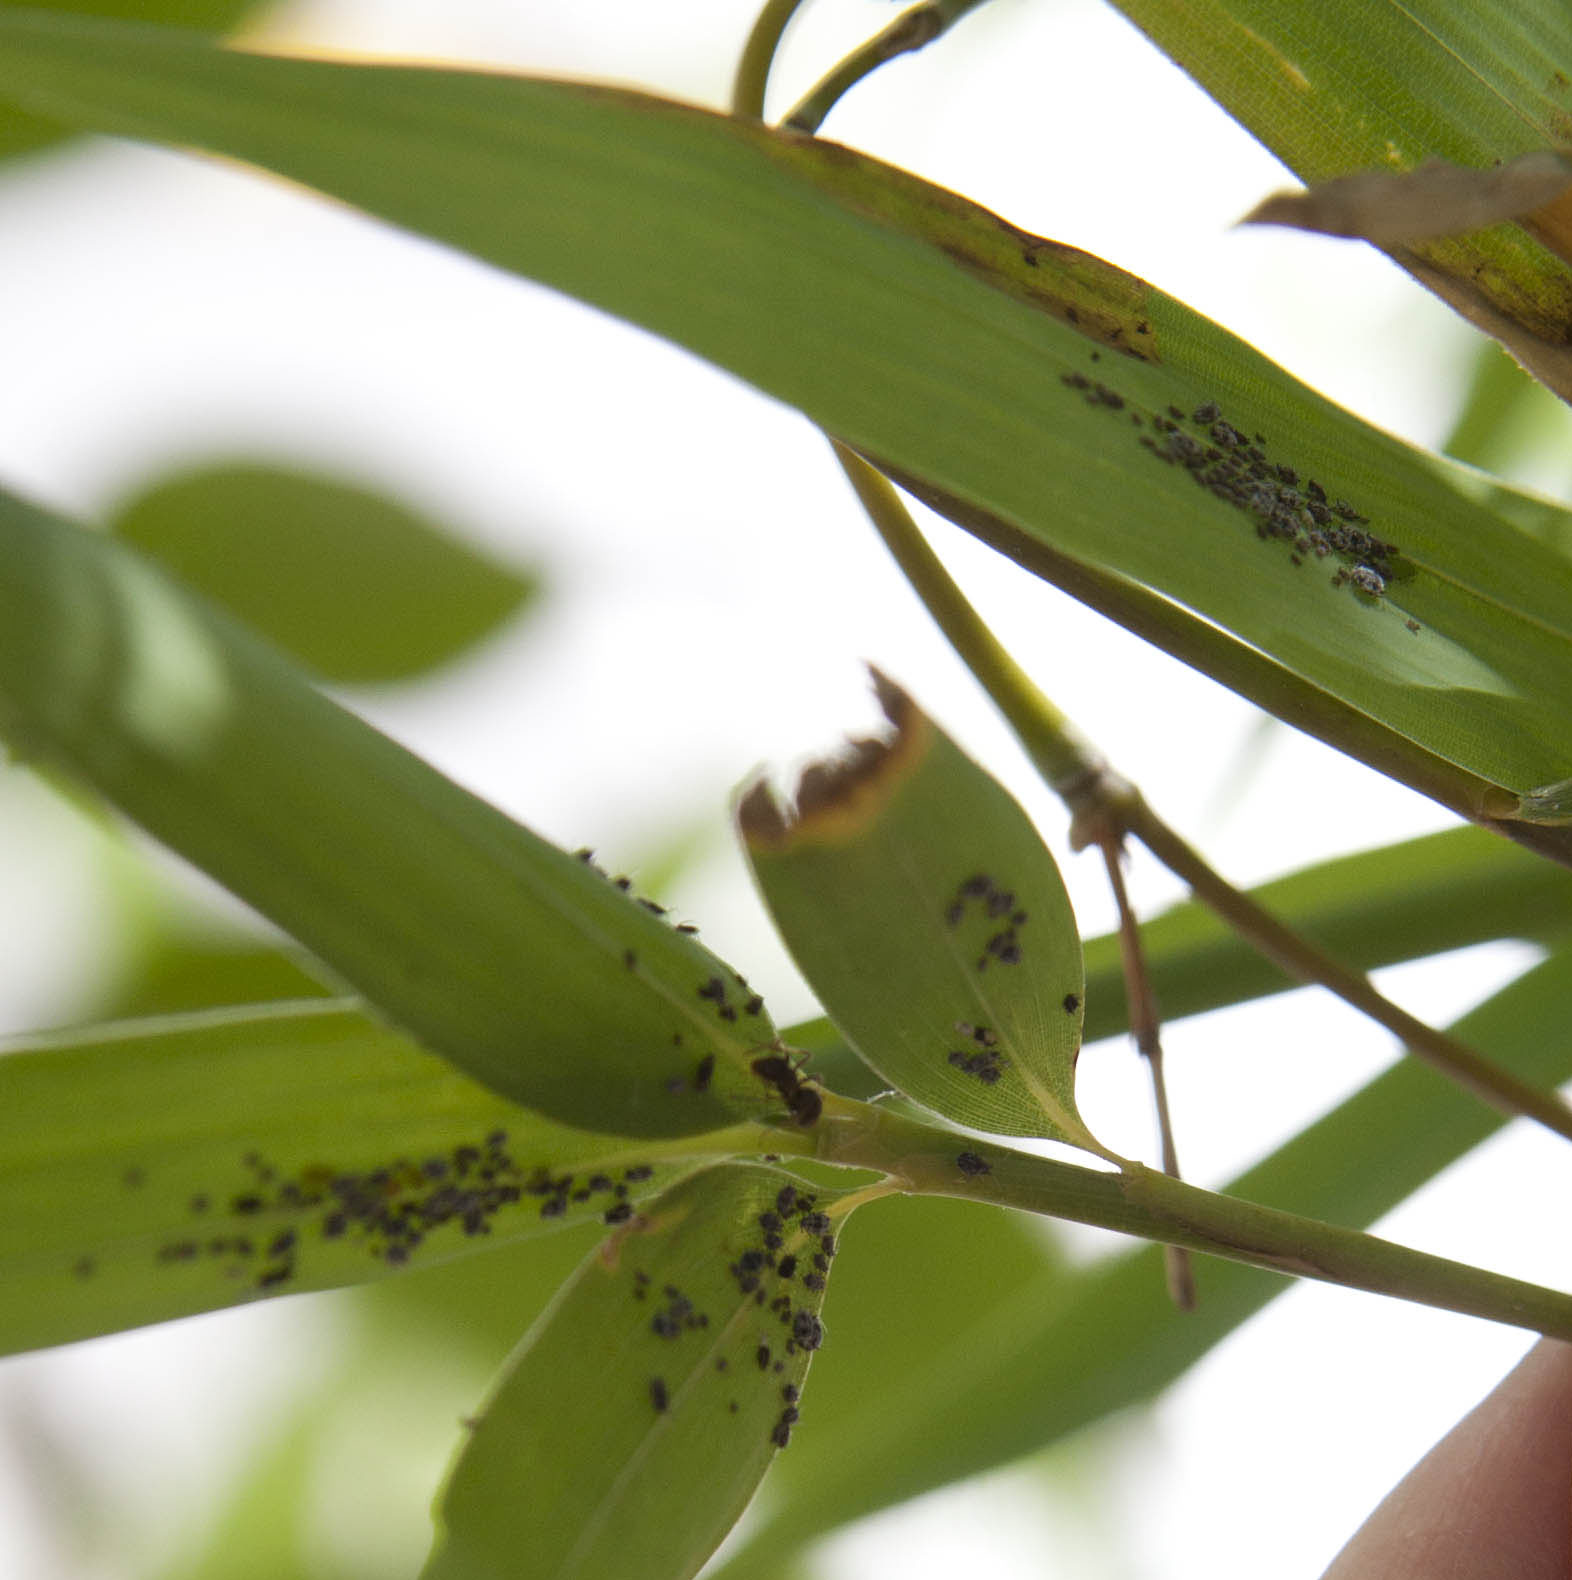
x=713, y=595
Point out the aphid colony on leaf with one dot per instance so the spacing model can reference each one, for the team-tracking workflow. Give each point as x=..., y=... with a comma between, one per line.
x=997, y=906
x=1298, y=514
x=788, y=1242
x=391, y=1210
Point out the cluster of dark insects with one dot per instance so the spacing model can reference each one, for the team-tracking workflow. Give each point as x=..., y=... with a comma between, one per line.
x=984, y=1061
x=714, y=989
x=1285, y=508
x=998, y=906
x=793, y=1244
x=391, y=1210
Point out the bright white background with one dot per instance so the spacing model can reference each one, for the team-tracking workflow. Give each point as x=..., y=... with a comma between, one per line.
x=712, y=595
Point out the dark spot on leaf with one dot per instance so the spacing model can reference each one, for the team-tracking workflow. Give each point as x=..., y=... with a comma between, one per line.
x=971, y=1165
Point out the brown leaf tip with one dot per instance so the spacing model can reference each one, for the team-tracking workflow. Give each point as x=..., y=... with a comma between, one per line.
x=838, y=794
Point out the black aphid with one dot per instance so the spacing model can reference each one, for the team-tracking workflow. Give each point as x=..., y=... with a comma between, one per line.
x=816, y=1223
x=785, y=1199
x=686, y=927
x=786, y=1266
x=701, y=1076
x=971, y=1165
x=806, y=1329
x=620, y=1213
x=790, y=1394
x=813, y=1281
x=1072, y=1002
x=762, y=1356
x=658, y=1396
x=629, y=959
x=1206, y=412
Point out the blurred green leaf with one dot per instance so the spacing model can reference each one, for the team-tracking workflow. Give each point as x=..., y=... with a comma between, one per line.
x=526, y=967
x=930, y=920
x=630, y=1429
x=1508, y=420
x=188, y=971
x=412, y=1355
x=1059, y=1352
x=355, y=586
x=1010, y=380
x=21, y=133
x=159, y=1168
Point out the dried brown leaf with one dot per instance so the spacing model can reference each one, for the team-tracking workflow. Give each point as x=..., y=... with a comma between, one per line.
x=1396, y=208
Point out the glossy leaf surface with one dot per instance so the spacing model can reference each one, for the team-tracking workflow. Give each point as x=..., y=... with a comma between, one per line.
x=632, y=1426
x=159, y=1168
x=356, y=587
x=531, y=970
x=1023, y=387
x=930, y=919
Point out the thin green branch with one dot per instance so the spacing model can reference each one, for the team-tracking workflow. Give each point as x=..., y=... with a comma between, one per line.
x=911, y=30
x=923, y=1159
x=1063, y=757
x=758, y=56
x=1102, y=805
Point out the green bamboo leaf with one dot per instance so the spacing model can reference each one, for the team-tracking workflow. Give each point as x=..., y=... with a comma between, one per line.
x=355, y=586
x=1027, y=389
x=1056, y=1354
x=529, y=969
x=633, y=1424
x=928, y=916
x=1508, y=421
x=21, y=133
x=159, y=1168
x=1351, y=86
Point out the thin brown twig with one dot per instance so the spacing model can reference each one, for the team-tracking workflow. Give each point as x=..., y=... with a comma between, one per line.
x=1141, y=1005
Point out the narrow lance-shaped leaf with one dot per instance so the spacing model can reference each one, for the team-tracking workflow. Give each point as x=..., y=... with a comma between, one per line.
x=357, y=587
x=1047, y=400
x=629, y=1431
x=158, y=1168
x=529, y=969
x=928, y=916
